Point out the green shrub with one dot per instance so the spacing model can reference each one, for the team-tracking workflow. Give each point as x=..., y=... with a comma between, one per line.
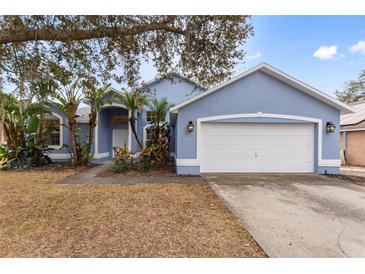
x=24, y=157
x=152, y=155
x=145, y=167
x=122, y=167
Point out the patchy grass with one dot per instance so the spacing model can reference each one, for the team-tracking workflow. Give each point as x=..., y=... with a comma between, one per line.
x=42, y=219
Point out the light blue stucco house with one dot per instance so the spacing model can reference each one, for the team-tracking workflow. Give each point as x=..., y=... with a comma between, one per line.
x=262, y=120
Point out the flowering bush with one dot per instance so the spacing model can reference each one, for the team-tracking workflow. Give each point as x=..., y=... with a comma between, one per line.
x=123, y=160
x=158, y=148
x=151, y=155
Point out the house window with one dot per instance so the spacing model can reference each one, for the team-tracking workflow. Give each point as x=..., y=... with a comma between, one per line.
x=55, y=136
x=149, y=135
x=150, y=117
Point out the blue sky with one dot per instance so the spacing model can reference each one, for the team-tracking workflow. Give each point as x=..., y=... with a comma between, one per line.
x=289, y=43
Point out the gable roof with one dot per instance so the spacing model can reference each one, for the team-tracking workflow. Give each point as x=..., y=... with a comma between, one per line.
x=175, y=74
x=356, y=117
x=321, y=96
x=155, y=80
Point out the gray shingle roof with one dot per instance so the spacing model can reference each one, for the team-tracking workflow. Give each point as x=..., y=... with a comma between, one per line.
x=356, y=117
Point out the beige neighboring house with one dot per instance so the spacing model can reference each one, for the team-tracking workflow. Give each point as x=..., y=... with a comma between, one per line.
x=353, y=135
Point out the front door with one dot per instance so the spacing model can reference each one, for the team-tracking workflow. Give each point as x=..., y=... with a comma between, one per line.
x=120, y=138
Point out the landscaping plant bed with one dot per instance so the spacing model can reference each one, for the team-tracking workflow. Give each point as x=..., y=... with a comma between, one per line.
x=166, y=171
x=42, y=219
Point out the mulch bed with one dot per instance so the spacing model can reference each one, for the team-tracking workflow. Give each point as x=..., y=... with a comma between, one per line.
x=166, y=171
x=42, y=219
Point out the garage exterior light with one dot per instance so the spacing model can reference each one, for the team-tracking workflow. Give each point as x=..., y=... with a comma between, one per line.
x=330, y=127
x=190, y=127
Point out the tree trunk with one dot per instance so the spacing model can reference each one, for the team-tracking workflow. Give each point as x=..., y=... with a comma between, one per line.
x=132, y=122
x=92, y=126
x=157, y=132
x=72, y=127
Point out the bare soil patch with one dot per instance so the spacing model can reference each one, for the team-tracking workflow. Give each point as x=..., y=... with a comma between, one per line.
x=42, y=219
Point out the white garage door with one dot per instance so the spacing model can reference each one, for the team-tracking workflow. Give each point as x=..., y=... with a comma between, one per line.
x=251, y=147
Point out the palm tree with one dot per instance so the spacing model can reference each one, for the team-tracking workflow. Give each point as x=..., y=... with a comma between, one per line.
x=133, y=101
x=95, y=97
x=69, y=95
x=42, y=90
x=159, y=108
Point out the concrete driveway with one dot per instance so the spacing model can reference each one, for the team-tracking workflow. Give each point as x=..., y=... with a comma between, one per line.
x=297, y=215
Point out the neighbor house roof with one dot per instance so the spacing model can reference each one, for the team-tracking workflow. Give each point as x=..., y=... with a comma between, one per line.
x=321, y=96
x=356, y=119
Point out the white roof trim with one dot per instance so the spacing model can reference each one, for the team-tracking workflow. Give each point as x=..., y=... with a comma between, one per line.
x=278, y=75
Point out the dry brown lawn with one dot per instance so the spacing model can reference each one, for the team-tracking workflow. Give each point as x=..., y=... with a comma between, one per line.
x=39, y=218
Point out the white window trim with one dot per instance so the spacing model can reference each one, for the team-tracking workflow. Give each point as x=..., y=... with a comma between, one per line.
x=145, y=132
x=129, y=132
x=146, y=111
x=61, y=132
x=96, y=137
x=196, y=162
x=149, y=123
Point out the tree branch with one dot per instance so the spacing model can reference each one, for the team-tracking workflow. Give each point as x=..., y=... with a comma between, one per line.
x=45, y=34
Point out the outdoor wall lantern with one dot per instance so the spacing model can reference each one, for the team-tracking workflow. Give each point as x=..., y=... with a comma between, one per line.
x=190, y=127
x=330, y=127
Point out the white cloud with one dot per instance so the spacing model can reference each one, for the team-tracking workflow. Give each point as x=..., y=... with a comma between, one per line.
x=359, y=47
x=255, y=56
x=326, y=53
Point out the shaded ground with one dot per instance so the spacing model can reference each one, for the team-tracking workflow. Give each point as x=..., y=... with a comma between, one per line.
x=294, y=215
x=41, y=219
x=358, y=180
x=161, y=172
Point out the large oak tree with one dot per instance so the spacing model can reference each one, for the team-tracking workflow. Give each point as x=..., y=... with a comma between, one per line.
x=96, y=49
x=100, y=48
